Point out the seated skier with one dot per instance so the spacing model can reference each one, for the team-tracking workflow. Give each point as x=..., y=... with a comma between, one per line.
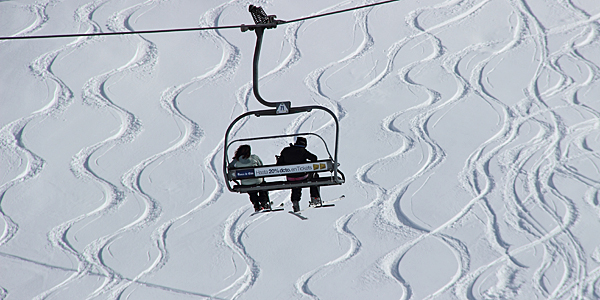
x=244, y=158
x=297, y=154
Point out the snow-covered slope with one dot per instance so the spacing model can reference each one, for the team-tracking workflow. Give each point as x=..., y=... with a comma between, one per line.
x=470, y=139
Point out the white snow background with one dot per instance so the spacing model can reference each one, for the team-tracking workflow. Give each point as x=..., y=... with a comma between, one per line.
x=469, y=136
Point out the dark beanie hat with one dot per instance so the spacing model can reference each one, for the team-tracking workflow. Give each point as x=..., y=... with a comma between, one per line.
x=300, y=141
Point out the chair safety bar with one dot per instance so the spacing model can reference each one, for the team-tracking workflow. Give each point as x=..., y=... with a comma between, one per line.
x=280, y=170
x=282, y=185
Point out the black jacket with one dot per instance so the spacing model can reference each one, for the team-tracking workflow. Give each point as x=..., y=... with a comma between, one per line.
x=295, y=154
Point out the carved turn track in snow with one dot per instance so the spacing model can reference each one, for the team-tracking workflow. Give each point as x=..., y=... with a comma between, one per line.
x=471, y=128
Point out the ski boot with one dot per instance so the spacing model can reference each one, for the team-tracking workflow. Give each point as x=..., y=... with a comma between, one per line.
x=315, y=201
x=296, y=206
x=266, y=205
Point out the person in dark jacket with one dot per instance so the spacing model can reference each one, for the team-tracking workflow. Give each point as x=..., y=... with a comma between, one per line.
x=297, y=154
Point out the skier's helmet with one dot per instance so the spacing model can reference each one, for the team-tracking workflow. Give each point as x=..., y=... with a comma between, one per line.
x=300, y=141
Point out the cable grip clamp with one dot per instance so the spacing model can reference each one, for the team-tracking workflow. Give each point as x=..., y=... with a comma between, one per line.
x=261, y=19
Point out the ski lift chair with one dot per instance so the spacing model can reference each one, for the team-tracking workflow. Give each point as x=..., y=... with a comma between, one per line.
x=335, y=177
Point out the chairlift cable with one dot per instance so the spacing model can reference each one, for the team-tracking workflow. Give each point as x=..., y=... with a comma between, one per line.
x=242, y=26
x=115, y=33
x=337, y=12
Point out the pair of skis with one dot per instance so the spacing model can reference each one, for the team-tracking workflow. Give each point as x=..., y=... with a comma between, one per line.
x=299, y=213
x=323, y=204
x=272, y=209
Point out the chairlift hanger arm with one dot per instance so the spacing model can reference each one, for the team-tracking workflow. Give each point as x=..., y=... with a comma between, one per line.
x=262, y=21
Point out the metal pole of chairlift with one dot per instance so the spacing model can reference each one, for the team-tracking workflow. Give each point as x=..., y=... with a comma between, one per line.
x=263, y=21
x=255, y=76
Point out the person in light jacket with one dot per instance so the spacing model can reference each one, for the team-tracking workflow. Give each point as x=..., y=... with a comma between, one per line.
x=244, y=158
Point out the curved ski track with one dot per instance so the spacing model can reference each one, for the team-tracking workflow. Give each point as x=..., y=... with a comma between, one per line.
x=11, y=135
x=559, y=243
x=94, y=93
x=522, y=170
x=115, y=284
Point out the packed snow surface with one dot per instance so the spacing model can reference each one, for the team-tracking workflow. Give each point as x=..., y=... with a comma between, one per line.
x=469, y=137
